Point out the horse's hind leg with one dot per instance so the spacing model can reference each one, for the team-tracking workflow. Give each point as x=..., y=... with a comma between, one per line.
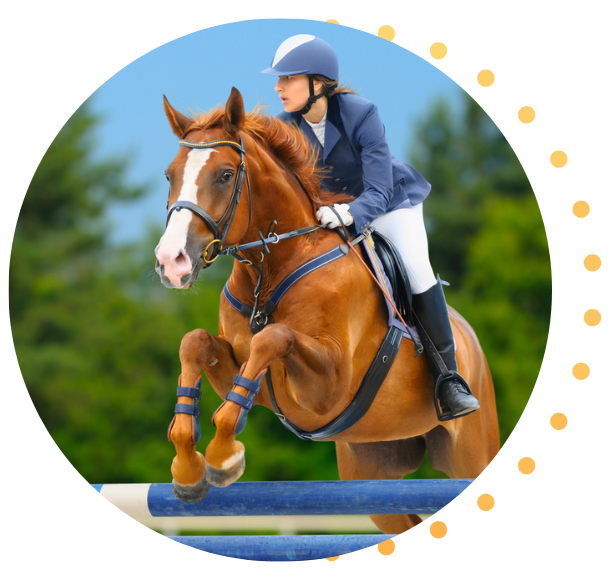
x=383, y=460
x=198, y=350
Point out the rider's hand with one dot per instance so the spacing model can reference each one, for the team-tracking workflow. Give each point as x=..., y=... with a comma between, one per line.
x=327, y=217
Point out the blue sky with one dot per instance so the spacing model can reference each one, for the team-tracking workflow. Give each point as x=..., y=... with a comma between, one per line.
x=197, y=72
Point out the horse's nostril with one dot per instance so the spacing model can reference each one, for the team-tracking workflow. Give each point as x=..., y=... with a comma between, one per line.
x=181, y=260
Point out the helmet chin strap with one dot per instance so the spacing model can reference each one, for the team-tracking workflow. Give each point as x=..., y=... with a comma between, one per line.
x=312, y=98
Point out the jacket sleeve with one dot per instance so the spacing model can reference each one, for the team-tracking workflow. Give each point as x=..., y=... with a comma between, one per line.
x=369, y=137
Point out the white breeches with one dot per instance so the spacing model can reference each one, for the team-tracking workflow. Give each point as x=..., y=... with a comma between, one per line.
x=405, y=229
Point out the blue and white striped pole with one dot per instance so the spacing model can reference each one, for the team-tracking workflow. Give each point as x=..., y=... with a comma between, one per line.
x=406, y=496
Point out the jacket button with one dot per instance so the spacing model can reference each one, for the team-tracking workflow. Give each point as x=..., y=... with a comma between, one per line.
x=344, y=189
x=338, y=179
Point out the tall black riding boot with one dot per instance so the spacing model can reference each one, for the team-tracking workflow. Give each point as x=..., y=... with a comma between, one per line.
x=453, y=393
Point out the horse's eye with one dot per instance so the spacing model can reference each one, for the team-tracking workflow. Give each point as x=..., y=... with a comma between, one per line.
x=227, y=176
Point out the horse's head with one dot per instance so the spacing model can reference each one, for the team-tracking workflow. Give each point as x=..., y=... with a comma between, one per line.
x=206, y=179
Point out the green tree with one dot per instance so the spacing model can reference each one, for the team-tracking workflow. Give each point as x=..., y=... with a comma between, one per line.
x=89, y=354
x=467, y=160
x=487, y=238
x=506, y=296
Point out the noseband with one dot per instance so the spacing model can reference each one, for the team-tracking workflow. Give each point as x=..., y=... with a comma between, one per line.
x=229, y=214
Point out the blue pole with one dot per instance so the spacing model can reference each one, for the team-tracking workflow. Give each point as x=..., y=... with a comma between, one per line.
x=281, y=548
x=406, y=496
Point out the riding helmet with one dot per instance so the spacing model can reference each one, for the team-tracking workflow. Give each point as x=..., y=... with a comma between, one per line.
x=304, y=54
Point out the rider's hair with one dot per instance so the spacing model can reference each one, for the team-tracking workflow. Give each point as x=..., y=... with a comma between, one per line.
x=331, y=88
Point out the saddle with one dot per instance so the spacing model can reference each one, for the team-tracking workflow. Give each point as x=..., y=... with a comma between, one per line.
x=394, y=269
x=386, y=264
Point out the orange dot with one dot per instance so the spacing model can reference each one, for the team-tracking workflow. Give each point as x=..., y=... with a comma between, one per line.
x=593, y=262
x=333, y=558
x=581, y=209
x=581, y=371
x=438, y=530
x=593, y=317
x=386, y=548
x=332, y=22
x=388, y=32
x=486, y=502
x=527, y=465
x=486, y=78
x=438, y=50
x=558, y=158
x=526, y=114
x=559, y=421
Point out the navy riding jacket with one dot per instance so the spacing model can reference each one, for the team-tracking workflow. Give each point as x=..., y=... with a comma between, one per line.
x=358, y=161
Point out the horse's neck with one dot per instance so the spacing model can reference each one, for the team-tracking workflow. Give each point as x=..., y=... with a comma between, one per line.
x=282, y=199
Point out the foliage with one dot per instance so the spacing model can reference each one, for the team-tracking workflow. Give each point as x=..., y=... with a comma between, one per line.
x=488, y=240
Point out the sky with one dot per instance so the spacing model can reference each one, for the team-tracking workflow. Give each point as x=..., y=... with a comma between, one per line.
x=197, y=72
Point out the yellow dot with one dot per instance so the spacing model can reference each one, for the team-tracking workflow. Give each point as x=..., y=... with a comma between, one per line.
x=386, y=548
x=593, y=262
x=558, y=159
x=332, y=22
x=581, y=209
x=593, y=317
x=559, y=421
x=526, y=114
x=333, y=558
x=438, y=50
x=438, y=530
x=581, y=371
x=527, y=465
x=485, y=502
x=486, y=78
x=386, y=32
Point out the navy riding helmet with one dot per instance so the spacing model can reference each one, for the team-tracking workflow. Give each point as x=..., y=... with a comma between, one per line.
x=305, y=54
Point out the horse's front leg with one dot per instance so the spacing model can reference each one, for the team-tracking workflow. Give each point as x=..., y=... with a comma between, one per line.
x=198, y=350
x=315, y=361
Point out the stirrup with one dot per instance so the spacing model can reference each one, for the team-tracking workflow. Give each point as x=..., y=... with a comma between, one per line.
x=442, y=411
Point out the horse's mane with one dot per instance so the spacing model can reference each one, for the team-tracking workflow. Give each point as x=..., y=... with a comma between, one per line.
x=286, y=142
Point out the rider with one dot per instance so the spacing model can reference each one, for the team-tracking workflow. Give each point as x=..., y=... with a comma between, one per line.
x=350, y=139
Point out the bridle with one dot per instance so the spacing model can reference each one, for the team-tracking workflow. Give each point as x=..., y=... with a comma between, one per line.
x=219, y=231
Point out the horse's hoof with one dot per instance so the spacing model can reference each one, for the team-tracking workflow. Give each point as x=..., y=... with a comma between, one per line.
x=228, y=474
x=191, y=493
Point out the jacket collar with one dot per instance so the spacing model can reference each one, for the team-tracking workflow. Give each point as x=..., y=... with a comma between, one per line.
x=331, y=133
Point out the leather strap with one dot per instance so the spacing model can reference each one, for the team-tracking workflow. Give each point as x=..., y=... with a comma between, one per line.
x=364, y=398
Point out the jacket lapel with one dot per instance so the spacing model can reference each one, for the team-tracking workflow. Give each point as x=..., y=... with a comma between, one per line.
x=311, y=136
x=332, y=133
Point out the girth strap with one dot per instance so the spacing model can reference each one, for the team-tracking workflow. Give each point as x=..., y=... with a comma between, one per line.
x=364, y=398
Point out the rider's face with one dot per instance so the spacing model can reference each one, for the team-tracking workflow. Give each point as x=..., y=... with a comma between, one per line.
x=294, y=91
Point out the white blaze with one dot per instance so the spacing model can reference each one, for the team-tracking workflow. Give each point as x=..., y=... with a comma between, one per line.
x=174, y=238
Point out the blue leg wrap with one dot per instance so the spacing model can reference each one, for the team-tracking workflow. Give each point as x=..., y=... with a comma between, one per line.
x=246, y=402
x=185, y=409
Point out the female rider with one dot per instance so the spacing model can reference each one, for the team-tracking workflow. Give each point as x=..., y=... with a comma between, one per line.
x=350, y=139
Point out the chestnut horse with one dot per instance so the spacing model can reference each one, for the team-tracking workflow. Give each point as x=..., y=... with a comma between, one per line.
x=325, y=332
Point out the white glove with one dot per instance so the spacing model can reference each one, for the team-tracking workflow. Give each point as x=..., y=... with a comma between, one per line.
x=327, y=217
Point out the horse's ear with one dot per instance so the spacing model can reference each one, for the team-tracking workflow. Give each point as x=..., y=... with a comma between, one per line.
x=177, y=120
x=235, y=114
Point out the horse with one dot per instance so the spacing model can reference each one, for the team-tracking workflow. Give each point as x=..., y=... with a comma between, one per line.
x=325, y=332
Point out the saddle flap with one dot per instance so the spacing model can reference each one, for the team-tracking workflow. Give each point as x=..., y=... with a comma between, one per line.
x=396, y=273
